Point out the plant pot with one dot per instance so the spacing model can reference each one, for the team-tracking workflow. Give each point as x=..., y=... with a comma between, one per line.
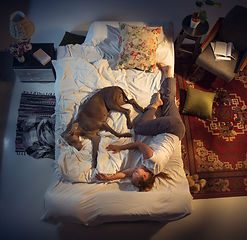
x=194, y=20
x=21, y=59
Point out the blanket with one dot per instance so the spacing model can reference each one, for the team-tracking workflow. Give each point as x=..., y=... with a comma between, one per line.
x=38, y=137
x=79, y=81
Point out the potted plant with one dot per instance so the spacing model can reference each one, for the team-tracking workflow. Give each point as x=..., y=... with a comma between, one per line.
x=201, y=15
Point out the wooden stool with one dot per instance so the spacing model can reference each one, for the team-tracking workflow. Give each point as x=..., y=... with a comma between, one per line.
x=192, y=34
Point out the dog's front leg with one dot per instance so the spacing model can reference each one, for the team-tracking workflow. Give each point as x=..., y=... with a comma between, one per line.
x=106, y=127
x=95, y=139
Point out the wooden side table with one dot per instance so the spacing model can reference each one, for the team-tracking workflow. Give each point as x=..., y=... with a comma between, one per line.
x=32, y=70
x=192, y=34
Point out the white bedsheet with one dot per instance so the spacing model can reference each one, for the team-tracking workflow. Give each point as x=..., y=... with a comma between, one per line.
x=80, y=79
x=74, y=195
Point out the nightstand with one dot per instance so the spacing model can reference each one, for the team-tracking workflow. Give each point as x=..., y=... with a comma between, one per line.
x=32, y=70
x=192, y=34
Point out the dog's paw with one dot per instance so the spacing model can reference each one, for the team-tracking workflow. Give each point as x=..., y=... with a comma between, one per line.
x=130, y=125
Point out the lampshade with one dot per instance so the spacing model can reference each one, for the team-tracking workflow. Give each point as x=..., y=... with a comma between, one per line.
x=20, y=26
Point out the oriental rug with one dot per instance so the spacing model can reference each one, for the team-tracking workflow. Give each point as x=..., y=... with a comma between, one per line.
x=37, y=105
x=215, y=150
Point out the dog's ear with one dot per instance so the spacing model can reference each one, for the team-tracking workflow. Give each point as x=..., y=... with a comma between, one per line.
x=73, y=128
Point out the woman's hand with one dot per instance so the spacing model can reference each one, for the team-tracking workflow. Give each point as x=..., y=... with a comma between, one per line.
x=102, y=177
x=113, y=148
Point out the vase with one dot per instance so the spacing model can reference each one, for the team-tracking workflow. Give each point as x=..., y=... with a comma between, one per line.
x=21, y=59
x=194, y=20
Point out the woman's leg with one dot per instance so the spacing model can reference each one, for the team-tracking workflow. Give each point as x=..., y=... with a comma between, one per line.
x=168, y=96
x=170, y=120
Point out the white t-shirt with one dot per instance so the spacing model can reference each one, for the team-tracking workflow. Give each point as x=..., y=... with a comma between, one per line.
x=163, y=146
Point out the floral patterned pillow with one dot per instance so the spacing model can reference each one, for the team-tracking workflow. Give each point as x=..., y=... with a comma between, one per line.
x=138, y=47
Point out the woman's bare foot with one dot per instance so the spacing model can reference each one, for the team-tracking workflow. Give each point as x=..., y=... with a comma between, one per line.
x=157, y=101
x=167, y=69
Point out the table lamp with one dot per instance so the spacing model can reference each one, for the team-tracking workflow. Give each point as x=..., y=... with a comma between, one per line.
x=21, y=27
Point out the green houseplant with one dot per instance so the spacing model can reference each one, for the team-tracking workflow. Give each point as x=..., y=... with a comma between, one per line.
x=201, y=15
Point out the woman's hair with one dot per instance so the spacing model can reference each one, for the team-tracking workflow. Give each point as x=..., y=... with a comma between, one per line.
x=146, y=185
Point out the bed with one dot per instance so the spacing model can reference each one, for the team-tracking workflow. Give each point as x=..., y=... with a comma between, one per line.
x=74, y=195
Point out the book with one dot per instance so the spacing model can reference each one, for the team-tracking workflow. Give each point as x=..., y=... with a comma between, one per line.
x=42, y=56
x=223, y=50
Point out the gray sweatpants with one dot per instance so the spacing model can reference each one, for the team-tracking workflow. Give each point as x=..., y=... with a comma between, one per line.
x=169, y=120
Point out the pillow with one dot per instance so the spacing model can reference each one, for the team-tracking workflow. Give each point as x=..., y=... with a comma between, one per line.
x=71, y=38
x=138, y=47
x=199, y=103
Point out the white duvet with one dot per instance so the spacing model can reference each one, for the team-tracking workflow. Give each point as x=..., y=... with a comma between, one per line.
x=79, y=80
x=74, y=195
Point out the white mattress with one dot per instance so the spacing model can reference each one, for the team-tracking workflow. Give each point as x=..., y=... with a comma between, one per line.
x=74, y=195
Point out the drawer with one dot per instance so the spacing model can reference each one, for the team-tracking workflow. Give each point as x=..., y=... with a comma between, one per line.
x=35, y=75
x=37, y=79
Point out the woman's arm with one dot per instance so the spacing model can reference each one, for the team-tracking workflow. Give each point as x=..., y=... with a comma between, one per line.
x=146, y=151
x=120, y=175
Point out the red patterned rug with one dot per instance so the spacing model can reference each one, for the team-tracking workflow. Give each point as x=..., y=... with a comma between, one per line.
x=216, y=150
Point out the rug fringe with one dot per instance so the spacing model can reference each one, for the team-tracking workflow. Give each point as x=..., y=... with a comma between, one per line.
x=38, y=93
x=21, y=153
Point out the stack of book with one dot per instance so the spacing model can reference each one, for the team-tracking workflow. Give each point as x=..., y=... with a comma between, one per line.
x=223, y=50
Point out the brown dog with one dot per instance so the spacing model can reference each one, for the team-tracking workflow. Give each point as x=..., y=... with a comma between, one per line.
x=92, y=116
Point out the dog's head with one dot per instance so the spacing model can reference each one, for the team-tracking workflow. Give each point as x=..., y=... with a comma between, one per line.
x=71, y=135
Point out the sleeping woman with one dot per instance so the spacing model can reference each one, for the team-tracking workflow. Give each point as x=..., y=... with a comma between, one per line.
x=167, y=129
